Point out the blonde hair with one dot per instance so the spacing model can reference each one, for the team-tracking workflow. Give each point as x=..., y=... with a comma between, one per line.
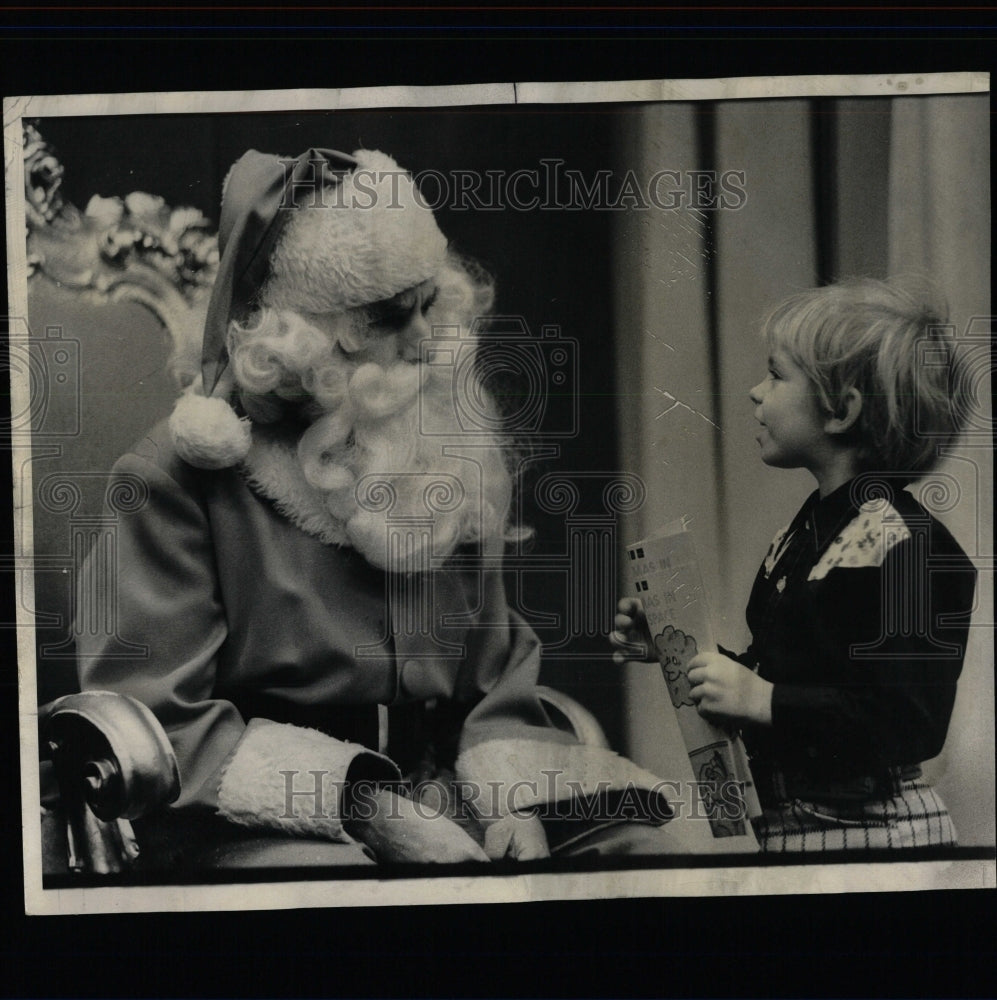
x=888, y=340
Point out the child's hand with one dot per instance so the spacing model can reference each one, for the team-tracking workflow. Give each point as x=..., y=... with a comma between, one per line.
x=631, y=638
x=724, y=688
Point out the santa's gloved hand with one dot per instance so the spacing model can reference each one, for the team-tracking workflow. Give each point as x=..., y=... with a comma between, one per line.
x=519, y=836
x=397, y=829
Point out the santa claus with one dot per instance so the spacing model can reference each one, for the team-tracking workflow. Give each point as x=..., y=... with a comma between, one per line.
x=316, y=573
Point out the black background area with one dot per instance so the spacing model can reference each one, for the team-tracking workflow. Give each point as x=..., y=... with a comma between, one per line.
x=914, y=944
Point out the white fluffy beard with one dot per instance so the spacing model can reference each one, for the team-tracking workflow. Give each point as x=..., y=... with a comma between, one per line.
x=392, y=464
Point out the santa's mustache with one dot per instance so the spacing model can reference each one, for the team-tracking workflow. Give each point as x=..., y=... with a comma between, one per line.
x=328, y=449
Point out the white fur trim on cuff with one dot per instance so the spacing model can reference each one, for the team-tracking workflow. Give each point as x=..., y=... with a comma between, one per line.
x=515, y=774
x=291, y=779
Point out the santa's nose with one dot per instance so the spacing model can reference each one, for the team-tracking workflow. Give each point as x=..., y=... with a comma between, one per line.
x=417, y=330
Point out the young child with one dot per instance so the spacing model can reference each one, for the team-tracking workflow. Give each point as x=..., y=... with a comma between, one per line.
x=860, y=611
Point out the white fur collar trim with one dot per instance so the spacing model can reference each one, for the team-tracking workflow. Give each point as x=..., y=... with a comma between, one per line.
x=272, y=469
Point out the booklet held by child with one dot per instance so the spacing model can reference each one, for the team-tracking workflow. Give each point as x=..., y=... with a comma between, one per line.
x=666, y=576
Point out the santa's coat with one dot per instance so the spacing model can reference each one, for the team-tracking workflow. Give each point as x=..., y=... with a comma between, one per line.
x=235, y=595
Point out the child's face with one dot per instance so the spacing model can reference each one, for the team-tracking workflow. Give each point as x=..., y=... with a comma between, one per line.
x=792, y=434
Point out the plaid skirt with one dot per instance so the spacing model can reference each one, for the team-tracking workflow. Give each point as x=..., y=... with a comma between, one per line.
x=916, y=817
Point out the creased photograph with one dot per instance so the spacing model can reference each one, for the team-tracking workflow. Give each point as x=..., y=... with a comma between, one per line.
x=506, y=493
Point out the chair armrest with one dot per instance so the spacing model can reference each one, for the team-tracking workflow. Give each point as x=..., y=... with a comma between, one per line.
x=572, y=717
x=114, y=763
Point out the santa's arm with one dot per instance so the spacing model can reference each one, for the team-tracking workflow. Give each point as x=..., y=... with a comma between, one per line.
x=169, y=609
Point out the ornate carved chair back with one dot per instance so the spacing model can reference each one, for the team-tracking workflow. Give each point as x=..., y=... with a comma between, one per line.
x=117, y=294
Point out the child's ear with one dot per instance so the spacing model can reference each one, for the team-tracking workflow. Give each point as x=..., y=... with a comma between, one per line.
x=847, y=413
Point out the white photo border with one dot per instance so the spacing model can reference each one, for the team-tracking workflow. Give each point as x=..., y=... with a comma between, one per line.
x=747, y=879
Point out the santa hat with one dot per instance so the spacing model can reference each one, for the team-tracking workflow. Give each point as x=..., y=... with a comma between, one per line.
x=321, y=233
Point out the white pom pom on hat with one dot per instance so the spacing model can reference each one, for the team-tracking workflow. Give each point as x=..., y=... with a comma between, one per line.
x=207, y=432
x=289, y=240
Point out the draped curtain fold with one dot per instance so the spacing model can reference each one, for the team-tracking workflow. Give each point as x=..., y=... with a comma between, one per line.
x=939, y=224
